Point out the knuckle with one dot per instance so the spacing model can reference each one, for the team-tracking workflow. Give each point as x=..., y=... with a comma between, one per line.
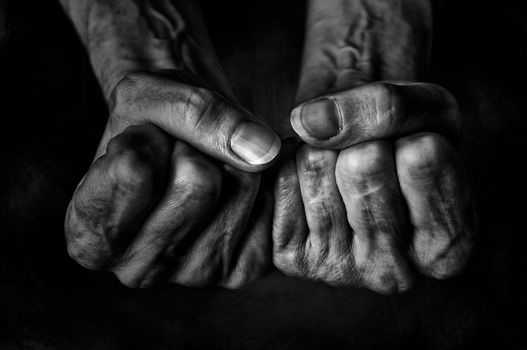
x=387, y=99
x=198, y=178
x=364, y=159
x=443, y=259
x=422, y=152
x=83, y=245
x=314, y=261
x=133, y=168
x=81, y=252
x=387, y=281
x=199, y=106
x=315, y=161
x=388, y=284
x=380, y=268
x=387, y=93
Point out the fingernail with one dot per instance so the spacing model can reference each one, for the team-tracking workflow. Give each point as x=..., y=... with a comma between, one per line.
x=320, y=119
x=255, y=144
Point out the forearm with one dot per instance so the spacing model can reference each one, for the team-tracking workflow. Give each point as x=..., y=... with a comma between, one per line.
x=351, y=42
x=129, y=35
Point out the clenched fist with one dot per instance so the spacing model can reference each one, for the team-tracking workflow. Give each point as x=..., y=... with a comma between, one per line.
x=166, y=198
x=175, y=193
x=377, y=191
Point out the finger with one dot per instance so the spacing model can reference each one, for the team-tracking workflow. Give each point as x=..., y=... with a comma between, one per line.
x=289, y=222
x=114, y=197
x=212, y=255
x=375, y=208
x=375, y=111
x=199, y=117
x=438, y=202
x=176, y=220
x=252, y=254
x=328, y=244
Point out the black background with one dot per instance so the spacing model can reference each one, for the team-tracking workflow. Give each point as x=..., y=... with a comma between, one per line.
x=52, y=115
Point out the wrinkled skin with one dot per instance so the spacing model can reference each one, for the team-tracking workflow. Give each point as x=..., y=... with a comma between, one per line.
x=154, y=208
x=379, y=191
x=369, y=190
x=373, y=203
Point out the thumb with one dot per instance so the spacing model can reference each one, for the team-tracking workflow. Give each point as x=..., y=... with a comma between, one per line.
x=198, y=117
x=375, y=111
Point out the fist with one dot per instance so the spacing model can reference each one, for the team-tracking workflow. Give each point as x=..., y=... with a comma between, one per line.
x=166, y=198
x=378, y=192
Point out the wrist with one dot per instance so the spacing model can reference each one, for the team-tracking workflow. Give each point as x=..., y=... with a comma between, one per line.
x=353, y=42
x=124, y=36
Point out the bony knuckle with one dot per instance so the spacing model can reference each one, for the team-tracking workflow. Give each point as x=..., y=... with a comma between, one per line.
x=386, y=281
x=386, y=91
x=202, y=95
x=315, y=161
x=389, y=98
x=445, y=259
x=132, y=168
x=380, y=268
x=84, y=254
x=364, y=159
x=198, y=178
x=326, y=263
x=423, y=151
x=83, y=245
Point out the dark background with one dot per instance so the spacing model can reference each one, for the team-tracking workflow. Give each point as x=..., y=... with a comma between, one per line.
x=51, y=118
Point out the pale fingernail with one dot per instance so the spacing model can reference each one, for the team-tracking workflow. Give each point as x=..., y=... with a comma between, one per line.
x=320, y=119
x=255, y=144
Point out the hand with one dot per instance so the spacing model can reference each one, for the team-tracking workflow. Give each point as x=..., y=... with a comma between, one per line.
x=376, y=190
x=170, y=195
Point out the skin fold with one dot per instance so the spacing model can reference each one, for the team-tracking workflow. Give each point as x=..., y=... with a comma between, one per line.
x=367, y=188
